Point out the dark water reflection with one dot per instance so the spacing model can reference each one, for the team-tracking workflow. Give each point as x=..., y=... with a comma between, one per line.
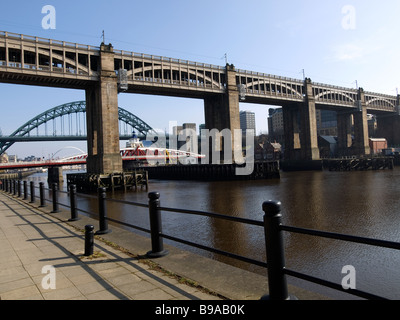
x=358, y=203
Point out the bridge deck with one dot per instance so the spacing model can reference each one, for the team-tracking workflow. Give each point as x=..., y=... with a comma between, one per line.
x=37, y=61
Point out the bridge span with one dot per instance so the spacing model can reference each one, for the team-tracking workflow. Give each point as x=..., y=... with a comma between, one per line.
x=104, y=71
x=65, y=130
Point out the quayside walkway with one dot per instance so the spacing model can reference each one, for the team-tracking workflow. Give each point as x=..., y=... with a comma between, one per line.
x=31, y=242
x=39, y=248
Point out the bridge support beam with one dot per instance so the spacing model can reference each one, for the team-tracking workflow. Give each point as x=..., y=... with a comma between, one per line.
x=55, y=175
x=309, y=135
x=389, y=126
x=300, y=126
x=102, y=119
x=291, y=132
x=361, y=143
x=222, y=111
x=344, y=125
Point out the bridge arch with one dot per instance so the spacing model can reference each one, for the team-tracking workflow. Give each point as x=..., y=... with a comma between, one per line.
x=70, y=108
x=380, y=102
x=336, y=95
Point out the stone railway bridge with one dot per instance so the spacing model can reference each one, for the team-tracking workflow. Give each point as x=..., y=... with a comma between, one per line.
x=104, y=71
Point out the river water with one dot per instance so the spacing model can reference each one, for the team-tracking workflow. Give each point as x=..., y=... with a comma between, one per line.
x=363, y=203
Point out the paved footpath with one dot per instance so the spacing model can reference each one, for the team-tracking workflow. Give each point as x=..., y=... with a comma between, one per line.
x=38, y=251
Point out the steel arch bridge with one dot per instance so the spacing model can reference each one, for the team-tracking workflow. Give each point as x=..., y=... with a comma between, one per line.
x=63, y=110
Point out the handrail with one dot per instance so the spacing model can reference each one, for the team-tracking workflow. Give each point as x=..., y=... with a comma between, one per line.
x=272, y=225
x=344, y=237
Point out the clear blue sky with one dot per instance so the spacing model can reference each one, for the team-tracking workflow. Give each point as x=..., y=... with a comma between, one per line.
x=333, y=45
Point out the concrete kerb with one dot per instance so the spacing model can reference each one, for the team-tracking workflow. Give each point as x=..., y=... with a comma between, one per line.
x=211, y=276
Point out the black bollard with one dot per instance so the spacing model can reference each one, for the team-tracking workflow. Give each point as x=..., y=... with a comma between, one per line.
x=25, y=190
x=157, y=246
x=72, y=196
x=42, y=198
x=102, y=212
x=55, y=197
x=19, y=188
x=32, y=185
x=89, y=240
x=277, y=283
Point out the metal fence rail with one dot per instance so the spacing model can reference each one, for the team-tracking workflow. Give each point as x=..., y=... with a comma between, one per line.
x=272, y=225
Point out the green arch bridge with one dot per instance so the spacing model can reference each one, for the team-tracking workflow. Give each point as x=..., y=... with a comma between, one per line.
x=69, y=129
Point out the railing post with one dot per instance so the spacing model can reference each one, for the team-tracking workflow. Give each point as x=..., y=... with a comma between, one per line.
x=19, y=188
x=41, y=191
x=32, y=185
x=54, y=191
x=89, y=240
x=6, y=181
x=25, y=190
x=72, y=196
x=102, y=212
x=277, y=283
x=157, y=246
x=15, y=187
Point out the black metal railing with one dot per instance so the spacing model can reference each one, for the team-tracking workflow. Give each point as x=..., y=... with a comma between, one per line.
x=272, y=224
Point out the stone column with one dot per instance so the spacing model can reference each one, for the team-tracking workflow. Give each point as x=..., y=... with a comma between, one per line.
x=55, y=174
x=361, y=143
x=389, y=126
x=222, y=110
x=344, y=133
x=102, y=118
x=308, y=122
x=291, y=132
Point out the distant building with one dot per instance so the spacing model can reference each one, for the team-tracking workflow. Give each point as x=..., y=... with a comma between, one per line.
x=201, y=127
x=326, y=122
x=4, y=158
x=327, y=146
x=177, y=130
x=189, y=126
x=377, y=145
x=275, y=125
x=273, y=150
x=372, y=125
x=267, y=151
x=247, y=121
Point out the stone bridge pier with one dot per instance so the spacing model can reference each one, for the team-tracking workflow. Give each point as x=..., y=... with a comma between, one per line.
x=300, y=126
x=360, y=145
x=222, y=111
x=102, y=118
x=389, y=126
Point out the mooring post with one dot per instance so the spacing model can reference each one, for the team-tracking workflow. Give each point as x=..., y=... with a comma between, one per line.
x=72, y=197
x=157, y=246
x=89, y=240
x=32, y=185
x=102, y=212
x=277, y=283
x=55, y=197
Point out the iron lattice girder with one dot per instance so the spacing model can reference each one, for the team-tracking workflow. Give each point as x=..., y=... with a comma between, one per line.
x=70, y=108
